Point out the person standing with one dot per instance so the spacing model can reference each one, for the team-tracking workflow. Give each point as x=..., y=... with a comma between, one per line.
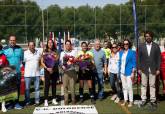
x=32, y=72
x=69, y=75
x=14, y=54
x=127, y=66
x=49, y=61
x=113, y=69
x=101, y=67
x=3, y=63
x=85, y=71
x=163, y=69
x=149, y=67
x=107, y=50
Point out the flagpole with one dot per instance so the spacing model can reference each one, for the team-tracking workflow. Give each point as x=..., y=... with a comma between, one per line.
x=136, y=37
x=64, y=40
x=59, y=42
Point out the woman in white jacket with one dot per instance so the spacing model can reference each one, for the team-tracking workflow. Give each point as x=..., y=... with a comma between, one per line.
x=113, y=70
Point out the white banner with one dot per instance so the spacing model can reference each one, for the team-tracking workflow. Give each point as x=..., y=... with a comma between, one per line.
x=72, y=109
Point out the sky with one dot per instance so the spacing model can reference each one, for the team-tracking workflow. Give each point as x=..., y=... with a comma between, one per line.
x=76, y=3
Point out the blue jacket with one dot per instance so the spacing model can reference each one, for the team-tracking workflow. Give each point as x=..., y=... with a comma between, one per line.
x=130, y=62
x=14, y=56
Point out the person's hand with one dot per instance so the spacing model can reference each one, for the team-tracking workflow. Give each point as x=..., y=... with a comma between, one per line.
x=157, y=72
x=50, y=70
x=105, y=71
x=63, y=67
x=108, y=73
x=139, y=72
x=132, y=76
x=69, y=63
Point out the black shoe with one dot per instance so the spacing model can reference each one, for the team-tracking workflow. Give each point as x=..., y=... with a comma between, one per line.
x=143, y=103
x=154, y=104
x=93, y=101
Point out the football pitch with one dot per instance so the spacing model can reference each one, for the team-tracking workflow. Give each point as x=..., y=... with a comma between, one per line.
x=105, y=106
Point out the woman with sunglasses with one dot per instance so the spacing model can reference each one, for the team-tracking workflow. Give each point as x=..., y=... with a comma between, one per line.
x=113, y=69
x=127, y=65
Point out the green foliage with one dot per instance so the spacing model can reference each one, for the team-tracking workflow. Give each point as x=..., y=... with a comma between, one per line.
x=24, y=18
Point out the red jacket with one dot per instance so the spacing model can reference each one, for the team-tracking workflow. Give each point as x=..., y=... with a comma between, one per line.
x=163, y=60
x=3, y=60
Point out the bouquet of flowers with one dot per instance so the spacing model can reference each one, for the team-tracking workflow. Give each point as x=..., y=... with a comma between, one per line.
x=84, y=61
x=8, y=80
x=50, y=60
x=70, y=62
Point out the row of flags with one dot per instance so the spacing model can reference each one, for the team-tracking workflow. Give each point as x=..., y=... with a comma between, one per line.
x=58, y=39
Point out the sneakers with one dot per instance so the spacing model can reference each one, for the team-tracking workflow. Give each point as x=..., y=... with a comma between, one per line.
x=18, y=106
x=130, y=104
x=37, y=103
x=81, y=98
x=46, y=103
x=3, y=107
x=117, y=100
x=113, y=97
x=54, y=102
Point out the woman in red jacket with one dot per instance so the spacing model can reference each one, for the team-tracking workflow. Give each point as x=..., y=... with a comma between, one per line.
x=163, y=68
x=3, y=59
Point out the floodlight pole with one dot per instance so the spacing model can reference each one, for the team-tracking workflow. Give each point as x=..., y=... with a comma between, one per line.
x=43, y=30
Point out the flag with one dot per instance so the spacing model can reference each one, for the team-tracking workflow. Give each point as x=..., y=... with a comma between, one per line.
x=59, y=42
x=50, y=36
x=136, y=36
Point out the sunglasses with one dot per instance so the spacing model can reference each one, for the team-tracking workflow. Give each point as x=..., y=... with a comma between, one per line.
x=126, y=44
x=114, y=47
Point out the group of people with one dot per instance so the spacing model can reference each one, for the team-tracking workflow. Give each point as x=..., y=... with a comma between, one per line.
x=117, y=62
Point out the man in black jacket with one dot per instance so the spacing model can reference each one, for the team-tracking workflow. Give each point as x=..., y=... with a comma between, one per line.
x=149, y=66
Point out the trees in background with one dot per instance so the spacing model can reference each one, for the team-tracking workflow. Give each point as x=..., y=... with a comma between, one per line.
x=24, y=18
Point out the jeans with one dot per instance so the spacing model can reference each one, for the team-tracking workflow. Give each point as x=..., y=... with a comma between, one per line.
x=36, y=86
x=99, y=77
x=114, y=82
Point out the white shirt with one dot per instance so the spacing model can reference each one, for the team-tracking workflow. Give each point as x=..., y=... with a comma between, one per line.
x=149, y=51
x=40, y=50
x=149, y=48
x=114, y=63
x=123, y=62
x=32, y=63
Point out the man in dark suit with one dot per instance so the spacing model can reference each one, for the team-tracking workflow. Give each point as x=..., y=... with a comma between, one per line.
x=149, y=67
